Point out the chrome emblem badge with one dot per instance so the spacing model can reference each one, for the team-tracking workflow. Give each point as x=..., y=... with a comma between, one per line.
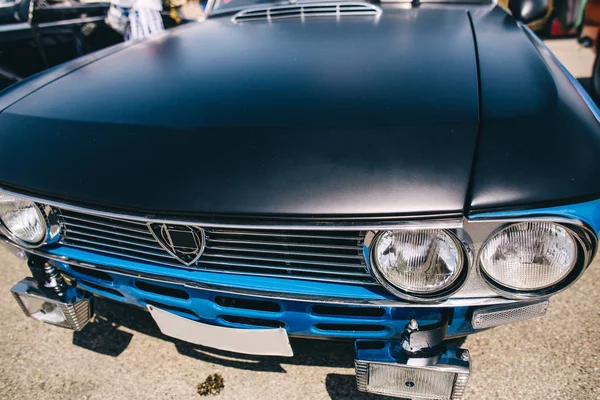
x=185, y=243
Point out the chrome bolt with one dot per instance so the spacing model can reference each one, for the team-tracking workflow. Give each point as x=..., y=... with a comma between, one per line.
x=464, y=356
x=413, y=324
x=54, y=280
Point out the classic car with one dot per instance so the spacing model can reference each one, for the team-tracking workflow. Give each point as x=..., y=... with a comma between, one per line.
x=398, y=174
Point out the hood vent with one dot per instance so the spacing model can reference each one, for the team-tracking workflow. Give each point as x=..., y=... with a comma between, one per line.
x=307, y=10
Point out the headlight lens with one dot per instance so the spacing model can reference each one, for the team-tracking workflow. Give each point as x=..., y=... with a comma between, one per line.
x=529, y=256
x=418, y=261
x=23, y=219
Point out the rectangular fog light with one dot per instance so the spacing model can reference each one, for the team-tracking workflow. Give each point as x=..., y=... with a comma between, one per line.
x=445, y=380
x=73, y=312
x=489, y=317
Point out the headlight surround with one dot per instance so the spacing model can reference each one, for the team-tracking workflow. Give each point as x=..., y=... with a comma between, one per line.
x=22, y=220
x=420, y=264
x=529, y=257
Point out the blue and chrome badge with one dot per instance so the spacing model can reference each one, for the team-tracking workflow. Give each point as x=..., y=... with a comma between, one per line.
x=185, y=243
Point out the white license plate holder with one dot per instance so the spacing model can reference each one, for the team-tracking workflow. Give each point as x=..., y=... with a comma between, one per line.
x=265, y=342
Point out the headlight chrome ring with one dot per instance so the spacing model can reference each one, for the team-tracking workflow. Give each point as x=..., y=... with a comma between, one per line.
x=449, y=285
x=580, y=243
x=28, y=217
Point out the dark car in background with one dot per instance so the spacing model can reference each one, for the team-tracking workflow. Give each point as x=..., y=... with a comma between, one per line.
x=397, y=174
x=36, y=35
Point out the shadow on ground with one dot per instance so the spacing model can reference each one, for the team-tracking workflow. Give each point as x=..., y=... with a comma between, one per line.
x=105, y=335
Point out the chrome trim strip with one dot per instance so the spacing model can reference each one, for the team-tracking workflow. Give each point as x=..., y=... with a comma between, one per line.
x=272, y=295
x=434, y=223
x=474, y=218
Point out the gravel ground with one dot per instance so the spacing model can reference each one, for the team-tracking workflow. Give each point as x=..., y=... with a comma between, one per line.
x=123, y=355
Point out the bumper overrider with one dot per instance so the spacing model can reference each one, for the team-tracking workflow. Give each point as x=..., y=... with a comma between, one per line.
x=247, y=288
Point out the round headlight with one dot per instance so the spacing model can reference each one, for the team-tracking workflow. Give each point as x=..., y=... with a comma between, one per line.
x=418, y=262
x=529, y=256
x=23, y=220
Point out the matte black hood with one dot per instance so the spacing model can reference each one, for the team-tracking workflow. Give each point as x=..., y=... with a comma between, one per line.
x=351, y=117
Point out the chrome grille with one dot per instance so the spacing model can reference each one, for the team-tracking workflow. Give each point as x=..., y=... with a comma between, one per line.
x=332, y=256
x=303, y=11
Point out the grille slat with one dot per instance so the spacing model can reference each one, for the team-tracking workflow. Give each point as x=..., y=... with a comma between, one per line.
x=286, y=252
x=285, y=244
x=289, y=261
x=161, y=253
x=321, y=255
x=344, y=236
x=109, y=223
x=147, y=237
x=289, y=269
x=118, y=239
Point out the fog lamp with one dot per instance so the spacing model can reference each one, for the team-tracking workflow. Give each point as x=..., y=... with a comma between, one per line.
x=73, y=312
x=529, y=256
x=417, y=262
x=22, y=220
x=445, y=380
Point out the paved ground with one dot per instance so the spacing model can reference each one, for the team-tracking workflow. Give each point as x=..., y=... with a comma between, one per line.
x=576, y=58
x=122, y=355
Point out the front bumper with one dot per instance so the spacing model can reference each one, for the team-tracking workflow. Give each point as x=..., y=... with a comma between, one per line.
x=390, y=358
x=316, y=317
x=298, y=318
x=382, y=366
